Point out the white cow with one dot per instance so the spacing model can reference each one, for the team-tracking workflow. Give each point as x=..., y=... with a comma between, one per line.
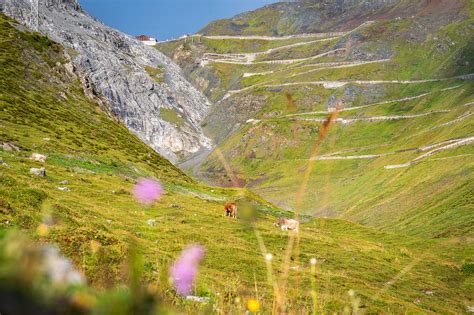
x=288, y=224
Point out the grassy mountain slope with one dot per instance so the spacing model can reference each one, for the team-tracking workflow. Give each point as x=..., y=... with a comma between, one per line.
x=382, y=124
x=315, y=16
x=44, y=110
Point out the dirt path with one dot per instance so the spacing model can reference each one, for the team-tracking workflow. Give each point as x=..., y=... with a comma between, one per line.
x=252, y=74
x=356, y=149
x=322, y=65
x=338, y=84
x=353, y=120
x=362, y=106
x=350, y=65
x=272, y=38
x=432, y=149
x=405, y=99
x=375, y=118
x=349, y=157
x=452, y=144
x=249, y=58
x=460, y=118
x=275, y=38
x=437, y=145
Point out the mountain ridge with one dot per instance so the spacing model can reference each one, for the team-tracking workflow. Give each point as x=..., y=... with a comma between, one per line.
x=136, y=81
x=315, y=16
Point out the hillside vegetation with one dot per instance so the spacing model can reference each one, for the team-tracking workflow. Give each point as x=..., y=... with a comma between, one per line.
x=95, y=221
x=396, y=84
x=316, y=16
x=399, y=155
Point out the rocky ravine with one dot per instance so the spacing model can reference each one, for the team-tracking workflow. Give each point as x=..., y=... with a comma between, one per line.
x=117, y=67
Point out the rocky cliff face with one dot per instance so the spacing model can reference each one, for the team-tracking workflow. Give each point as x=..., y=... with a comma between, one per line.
x=139, y=83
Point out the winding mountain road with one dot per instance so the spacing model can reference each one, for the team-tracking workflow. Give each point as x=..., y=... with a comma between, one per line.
x=454, y=121
x=338, y=84
x=236, y=61
x=249, y=57
x=274, y=38
x=376, y=118
x=433, y=149
x=349, y=65
x=452, y=144
x=347, y=109
x=318, y=66
x=259, y=37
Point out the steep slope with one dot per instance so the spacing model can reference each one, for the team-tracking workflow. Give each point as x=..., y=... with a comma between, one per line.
x=139, y=85
x=399, y=155
x=320, y=16
x=95, y=220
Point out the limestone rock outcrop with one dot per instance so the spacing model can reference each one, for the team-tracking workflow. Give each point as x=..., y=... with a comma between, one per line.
x=123, y=72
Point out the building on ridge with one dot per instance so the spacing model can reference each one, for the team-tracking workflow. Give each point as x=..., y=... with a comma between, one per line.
x=147, y=40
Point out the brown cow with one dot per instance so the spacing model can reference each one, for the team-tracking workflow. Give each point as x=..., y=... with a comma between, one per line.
x=231, y=210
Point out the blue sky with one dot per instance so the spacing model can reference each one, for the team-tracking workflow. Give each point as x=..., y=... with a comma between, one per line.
x=165, y=19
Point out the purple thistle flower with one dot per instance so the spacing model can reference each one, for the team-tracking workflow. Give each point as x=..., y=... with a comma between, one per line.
x=185, y=269
x=147, y=191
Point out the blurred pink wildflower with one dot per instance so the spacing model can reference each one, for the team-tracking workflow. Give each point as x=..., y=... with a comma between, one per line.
x=185, y=269
x=147, y=190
